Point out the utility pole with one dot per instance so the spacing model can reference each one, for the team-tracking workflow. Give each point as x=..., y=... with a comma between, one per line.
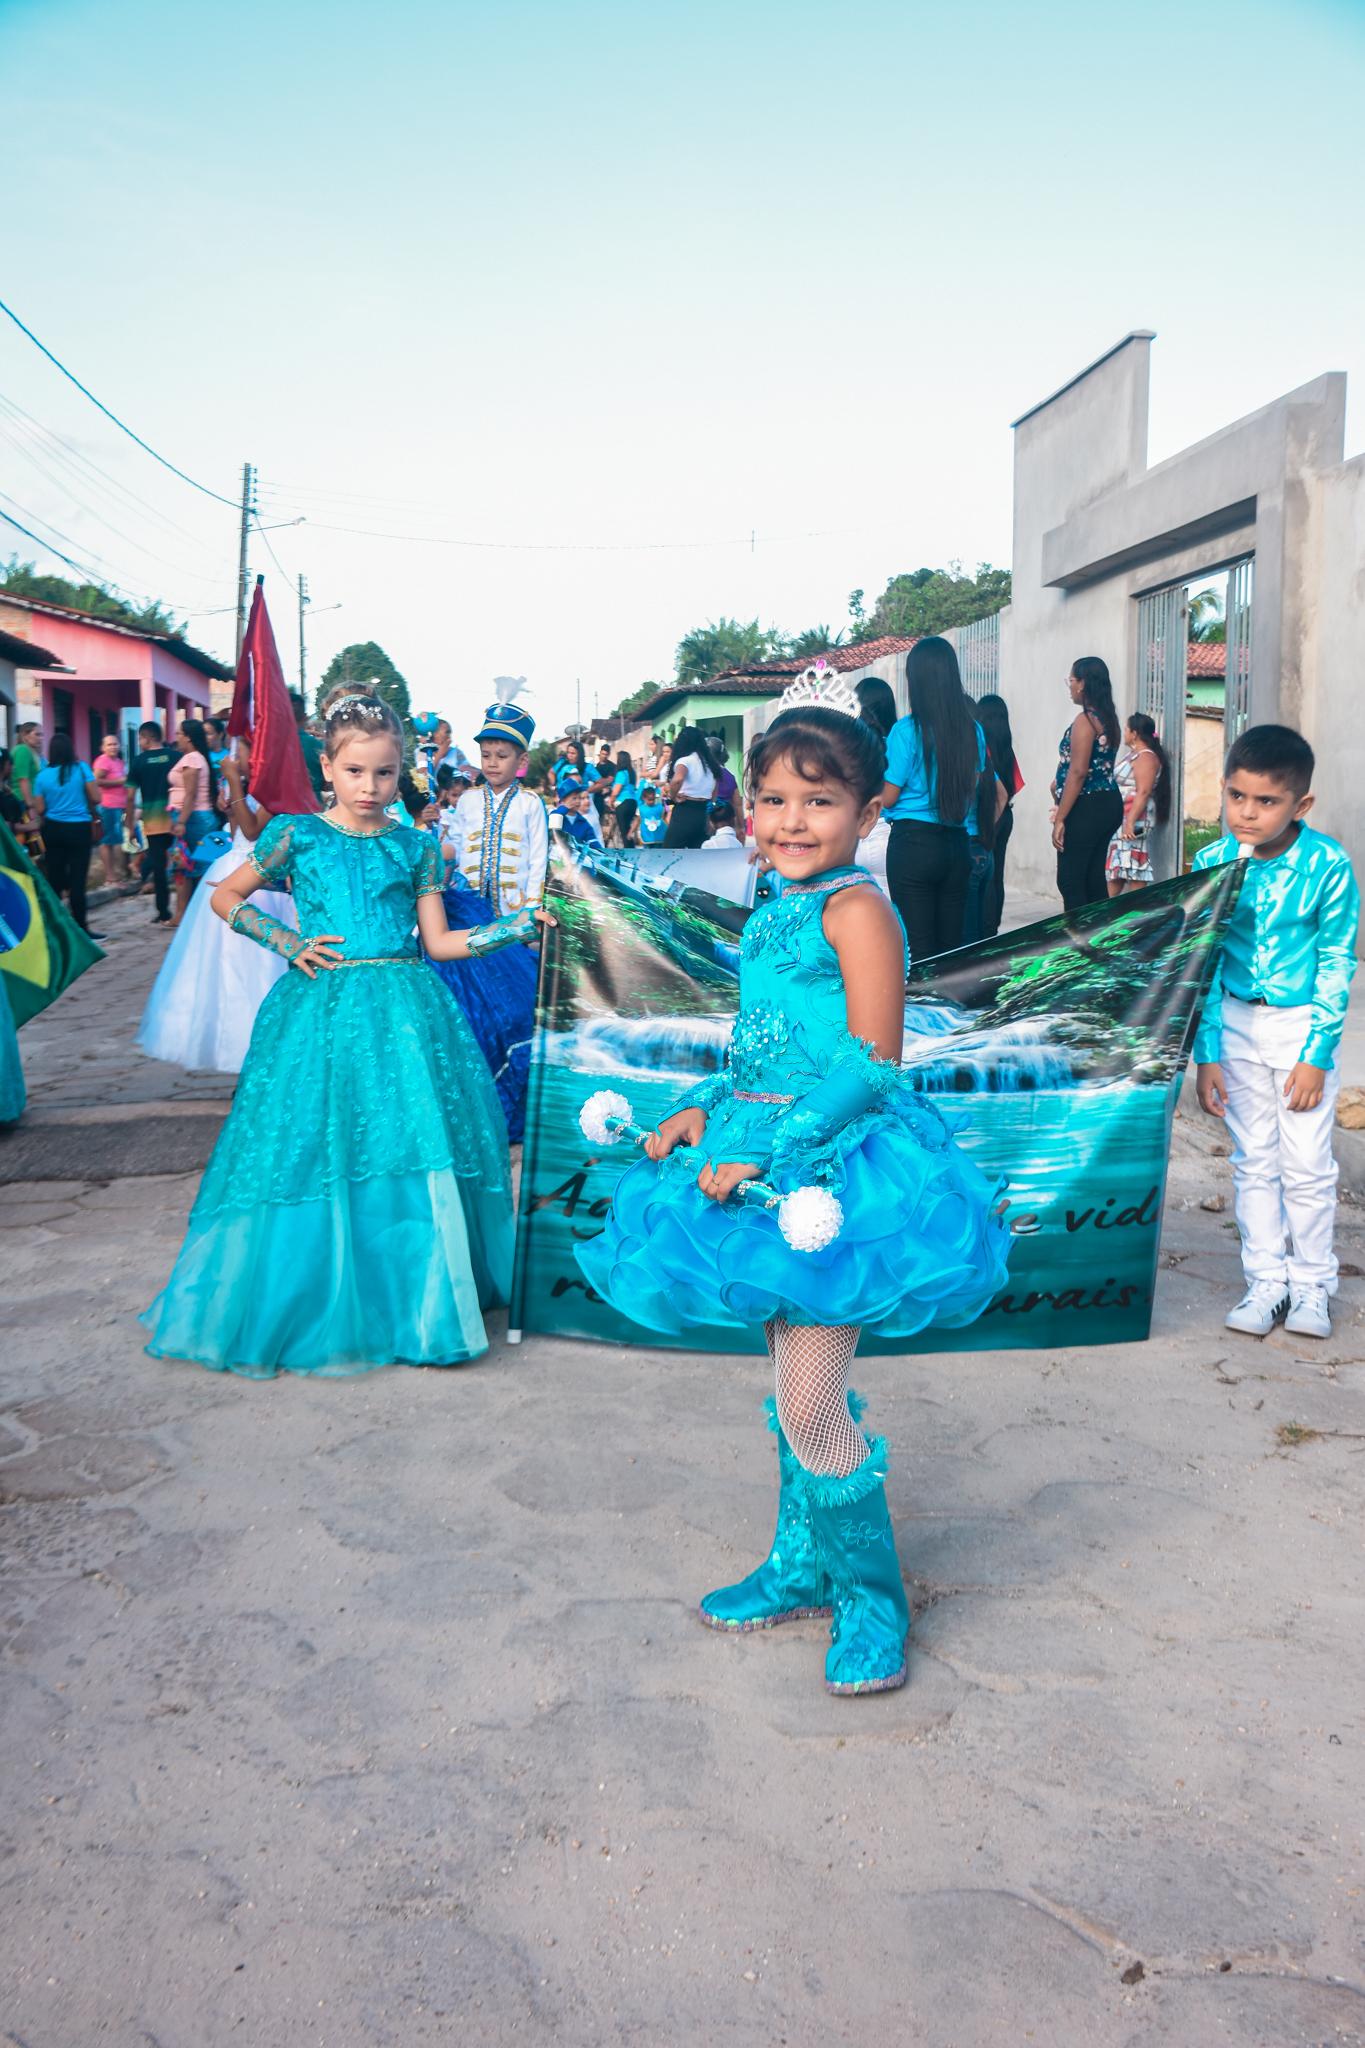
x=303, y=662
x=248, y=513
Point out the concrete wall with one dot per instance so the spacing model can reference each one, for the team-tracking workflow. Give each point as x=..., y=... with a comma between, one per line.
x=1333, y=670
x=1095, y=527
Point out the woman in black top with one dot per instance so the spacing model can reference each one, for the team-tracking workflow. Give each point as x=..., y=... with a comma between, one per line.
x=1089, y=806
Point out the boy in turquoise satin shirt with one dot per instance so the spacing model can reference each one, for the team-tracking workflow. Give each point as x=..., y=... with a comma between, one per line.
x=1267, y=1040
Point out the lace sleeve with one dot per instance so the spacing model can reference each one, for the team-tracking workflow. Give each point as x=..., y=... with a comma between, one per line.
x=272, y=856
x=266, y=930
x=704, y=1093
x=428, y=877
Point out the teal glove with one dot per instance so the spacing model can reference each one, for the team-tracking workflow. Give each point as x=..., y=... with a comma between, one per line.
x=515, y=929
x=848, y=1091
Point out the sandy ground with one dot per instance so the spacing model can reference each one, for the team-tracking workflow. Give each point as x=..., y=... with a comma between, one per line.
x=376, y=1710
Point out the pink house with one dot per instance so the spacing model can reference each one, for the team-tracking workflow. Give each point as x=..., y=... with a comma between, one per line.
x=107, y=672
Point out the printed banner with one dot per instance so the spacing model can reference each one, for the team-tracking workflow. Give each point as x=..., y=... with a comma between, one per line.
x=1056, y=1052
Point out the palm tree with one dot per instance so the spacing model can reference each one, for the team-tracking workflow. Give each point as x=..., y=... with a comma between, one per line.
x=1206, y=615
x=724, y=643
x=815, y=640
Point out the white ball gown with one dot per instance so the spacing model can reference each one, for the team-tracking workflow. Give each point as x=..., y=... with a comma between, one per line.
x=212, y=981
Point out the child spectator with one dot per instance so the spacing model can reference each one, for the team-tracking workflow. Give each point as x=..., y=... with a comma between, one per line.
x=721, y=821
x=574, y=814
x=653, y=817
x=1267, y=1040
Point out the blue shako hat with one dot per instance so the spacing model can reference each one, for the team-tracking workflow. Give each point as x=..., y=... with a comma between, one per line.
x=506, y=722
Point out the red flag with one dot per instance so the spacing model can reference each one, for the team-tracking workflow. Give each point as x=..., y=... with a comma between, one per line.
x=261, y=708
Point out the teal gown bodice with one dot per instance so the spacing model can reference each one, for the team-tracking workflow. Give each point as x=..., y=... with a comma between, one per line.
x=920, y=1243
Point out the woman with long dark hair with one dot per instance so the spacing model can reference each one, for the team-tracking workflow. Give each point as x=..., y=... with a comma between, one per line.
x=993, y=716
x=691, y=786
x=625, y=796
x=1089, y=808
x=934, y=760
x=193, y=795
x=571, y=766
x=877, y=708
x=1143, y=775
x=66, y=806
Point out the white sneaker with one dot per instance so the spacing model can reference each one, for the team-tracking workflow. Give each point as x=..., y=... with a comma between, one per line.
x=1308, y=1315
x=1260, y=1308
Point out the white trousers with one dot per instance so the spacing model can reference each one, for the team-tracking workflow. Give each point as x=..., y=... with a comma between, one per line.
x=1284, y=1175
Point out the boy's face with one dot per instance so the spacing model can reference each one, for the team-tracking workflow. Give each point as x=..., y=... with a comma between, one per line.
x=576, y=801
x=1260, y=809
x=499, y=760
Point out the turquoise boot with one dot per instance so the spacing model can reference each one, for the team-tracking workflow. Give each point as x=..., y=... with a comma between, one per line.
x=789, y=1585
x=856, y=1545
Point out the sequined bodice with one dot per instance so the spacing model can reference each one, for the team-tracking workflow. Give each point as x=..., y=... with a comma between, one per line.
x=793, y=1010
x=364, y=889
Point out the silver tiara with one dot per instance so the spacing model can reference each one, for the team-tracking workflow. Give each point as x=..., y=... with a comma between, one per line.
x=373, y=707
x=819, y=685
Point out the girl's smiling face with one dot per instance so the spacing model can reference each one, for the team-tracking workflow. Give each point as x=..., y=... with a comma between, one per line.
x=804, y=827
x=364, y=777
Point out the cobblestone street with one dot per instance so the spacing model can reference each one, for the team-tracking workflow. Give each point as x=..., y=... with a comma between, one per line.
x=375, y=1710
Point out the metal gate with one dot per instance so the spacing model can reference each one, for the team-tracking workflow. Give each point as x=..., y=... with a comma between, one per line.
x=1237, y=682
x=1162, y=650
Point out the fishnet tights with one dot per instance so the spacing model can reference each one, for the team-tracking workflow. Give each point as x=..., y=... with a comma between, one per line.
x=812, y=1394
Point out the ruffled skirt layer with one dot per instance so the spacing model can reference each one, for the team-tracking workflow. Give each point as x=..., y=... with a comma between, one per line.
x=920, y=1243
x=380, y=1272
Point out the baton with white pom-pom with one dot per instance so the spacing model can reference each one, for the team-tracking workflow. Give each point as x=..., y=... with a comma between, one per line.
x=809, y=1218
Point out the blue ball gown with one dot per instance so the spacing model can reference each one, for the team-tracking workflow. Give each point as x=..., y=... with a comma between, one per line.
x=498, y=997
x=357, y=1209
x=920, y=1242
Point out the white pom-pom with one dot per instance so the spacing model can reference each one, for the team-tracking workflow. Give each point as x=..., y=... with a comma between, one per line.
x=592, y=1118
x=810, y=1218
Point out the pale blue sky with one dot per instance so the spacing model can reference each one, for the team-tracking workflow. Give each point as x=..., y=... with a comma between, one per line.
x=640, y=273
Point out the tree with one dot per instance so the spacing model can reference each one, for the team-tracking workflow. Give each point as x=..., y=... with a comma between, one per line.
x=1206, y=616
x=636, y=701
x=23, y=579
x=931, y=600
x=722, y=644
x=365, y=666
x=815, y=640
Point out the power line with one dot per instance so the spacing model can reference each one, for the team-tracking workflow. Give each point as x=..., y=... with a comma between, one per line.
x=48, y=549
x=66, y=452
x=122, y=425
x=97, y=576
x=68, y=489
x=582, y=547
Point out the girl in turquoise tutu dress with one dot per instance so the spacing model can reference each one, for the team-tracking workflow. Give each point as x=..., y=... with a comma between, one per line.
x=812, y=1095
x=357, y=1210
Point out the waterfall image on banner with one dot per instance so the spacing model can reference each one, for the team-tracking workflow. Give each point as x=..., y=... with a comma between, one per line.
x=1056, y=1053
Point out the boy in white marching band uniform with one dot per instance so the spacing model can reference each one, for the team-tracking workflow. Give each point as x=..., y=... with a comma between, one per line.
x=496, y=835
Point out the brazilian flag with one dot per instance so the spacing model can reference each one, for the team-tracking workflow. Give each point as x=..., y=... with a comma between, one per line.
x=42, y=948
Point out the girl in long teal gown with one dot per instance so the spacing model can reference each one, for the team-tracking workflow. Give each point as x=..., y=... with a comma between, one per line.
x=812, y=1096
x=357, y=1209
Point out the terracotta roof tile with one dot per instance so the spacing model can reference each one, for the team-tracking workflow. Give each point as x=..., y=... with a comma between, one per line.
x=859, y=654
x=1206, y=658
